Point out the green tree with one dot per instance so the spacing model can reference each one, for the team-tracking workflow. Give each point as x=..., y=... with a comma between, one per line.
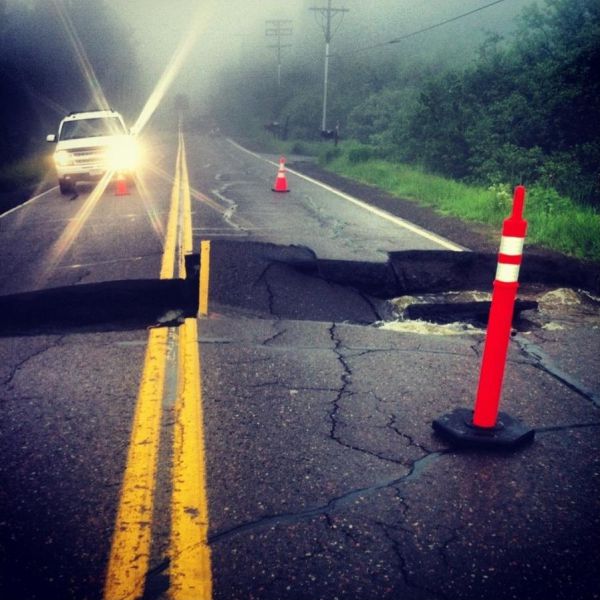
x=438, y=126
x=526, y=111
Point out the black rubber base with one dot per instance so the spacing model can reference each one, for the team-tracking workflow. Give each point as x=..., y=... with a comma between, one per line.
x=458, y=429
x=280, y=191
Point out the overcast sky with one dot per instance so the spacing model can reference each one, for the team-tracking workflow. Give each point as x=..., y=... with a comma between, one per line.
x=232, y=32
x=238, y=26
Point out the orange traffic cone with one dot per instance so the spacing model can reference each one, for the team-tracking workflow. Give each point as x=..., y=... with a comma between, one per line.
x=121, y=188
x=280, y=184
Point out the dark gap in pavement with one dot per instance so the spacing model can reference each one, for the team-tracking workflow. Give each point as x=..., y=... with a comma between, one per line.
x=291, y=282
x=107, y=306
x=264, y=280
x=475, y=312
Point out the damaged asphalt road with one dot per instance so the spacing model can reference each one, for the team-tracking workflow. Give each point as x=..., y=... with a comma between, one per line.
x=334, y=484
x=324, y=477
x=267, y=280
x=337, y=487
x=339, y=475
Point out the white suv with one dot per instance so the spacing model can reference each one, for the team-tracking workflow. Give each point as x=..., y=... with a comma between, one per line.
x=89, y=144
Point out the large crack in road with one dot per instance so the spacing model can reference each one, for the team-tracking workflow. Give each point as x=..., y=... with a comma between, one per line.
x=280, y=344
x=416, y=469
x=266, y=281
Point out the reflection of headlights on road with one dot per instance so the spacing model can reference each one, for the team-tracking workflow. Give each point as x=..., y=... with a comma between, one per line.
x=124, y=155
x=63, y=158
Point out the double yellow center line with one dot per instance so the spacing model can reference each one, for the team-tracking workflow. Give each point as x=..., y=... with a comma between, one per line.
x=189, y=553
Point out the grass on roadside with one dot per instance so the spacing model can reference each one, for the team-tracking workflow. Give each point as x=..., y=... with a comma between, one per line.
x=555, y=222
x=268, y=143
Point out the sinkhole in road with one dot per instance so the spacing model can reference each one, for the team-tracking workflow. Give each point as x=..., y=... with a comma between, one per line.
x=411, y=288
x=268, y=281
x=466, y=312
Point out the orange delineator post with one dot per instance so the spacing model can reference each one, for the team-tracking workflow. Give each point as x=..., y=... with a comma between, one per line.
x=485, y=426
x=501, y=313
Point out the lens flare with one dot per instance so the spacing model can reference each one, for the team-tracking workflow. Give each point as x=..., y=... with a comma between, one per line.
x=150, y=208
x=72, y=230
x=200, y=19
x=82, y=58
x=124, y=154
x=63, y=158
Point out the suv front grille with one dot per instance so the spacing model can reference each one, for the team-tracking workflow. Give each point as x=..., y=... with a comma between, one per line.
x=91, y=157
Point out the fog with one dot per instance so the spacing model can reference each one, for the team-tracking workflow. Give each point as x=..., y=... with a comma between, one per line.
x=438, y=98
x=231, y=38
x=58, y=56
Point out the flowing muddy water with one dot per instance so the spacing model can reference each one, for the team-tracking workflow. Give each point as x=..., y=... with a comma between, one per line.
x=540, y=308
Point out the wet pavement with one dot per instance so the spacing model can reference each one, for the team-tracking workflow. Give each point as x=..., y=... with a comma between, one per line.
x=325, y=478
x=335, y=485
x=347, y=493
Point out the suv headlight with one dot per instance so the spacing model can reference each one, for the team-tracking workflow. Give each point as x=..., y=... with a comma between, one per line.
x=123, y=155
x=62, y=158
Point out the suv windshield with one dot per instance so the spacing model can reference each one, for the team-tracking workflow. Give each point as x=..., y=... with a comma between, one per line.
x=85, y=128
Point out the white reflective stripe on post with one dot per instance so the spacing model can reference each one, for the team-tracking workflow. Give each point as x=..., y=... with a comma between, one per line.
x=512, y=246
x=507, y=273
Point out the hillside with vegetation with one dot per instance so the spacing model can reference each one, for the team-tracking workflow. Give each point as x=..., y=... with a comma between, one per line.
x=523, y=110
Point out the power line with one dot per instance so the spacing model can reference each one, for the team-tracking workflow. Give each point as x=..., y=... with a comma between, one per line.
x=424, y=30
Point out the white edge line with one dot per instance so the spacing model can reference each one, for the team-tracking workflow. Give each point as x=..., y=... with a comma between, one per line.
x=8, y=212
x=372, y=209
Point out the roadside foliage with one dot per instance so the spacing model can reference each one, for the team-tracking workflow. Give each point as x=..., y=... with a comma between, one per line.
x=523, y=109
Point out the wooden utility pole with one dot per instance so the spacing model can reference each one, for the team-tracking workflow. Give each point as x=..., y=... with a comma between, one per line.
x=279, y=28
